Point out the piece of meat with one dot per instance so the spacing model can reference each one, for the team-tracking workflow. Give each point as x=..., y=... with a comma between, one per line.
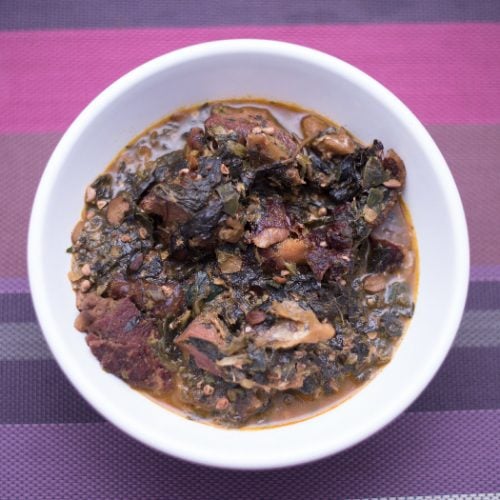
x=339, y=235
x=188, y=199
x=278, y=175
x=208, y=329
x=289, y=251
x=292, y=250
x=122, y=341
x=118, y=207
x=256, y=128
x=312, y=126
x=154, y=203
x=390, y=242
x=133, y=361
x=231, y=231
x=296, y=326
x=265, y=147
x=162, y=301
x=388, y=193
x=330, y=249
x=195, y=139
x=273, y=224
x=335, y=143
x=394, y=164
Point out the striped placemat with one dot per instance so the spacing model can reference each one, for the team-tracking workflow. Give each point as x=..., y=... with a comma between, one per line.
x=442, y=58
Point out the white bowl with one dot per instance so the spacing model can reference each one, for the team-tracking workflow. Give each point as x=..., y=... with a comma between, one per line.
x=284, y=72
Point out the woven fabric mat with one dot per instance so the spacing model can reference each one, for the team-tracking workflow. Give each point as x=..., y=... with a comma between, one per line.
x=441, y=58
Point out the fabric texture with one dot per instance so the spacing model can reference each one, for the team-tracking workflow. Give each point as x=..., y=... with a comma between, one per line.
x=441, y=58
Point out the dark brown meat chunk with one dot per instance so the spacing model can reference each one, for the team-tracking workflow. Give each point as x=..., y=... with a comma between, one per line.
x=202, y=340
x=196, y=139
x=394, y=164
x=312, y=126
x=389, y=242
x=273, y=225
x=256, y=128
x=122, y=342
x=185, y=194
x=162, y=301
x=117, y=209
x=330, y=249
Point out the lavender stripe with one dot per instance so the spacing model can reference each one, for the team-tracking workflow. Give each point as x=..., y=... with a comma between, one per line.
x=418, y=454
x=35, y=391
x=485, y=273
x=119, y=13
x=22, y=341
x=479, y=329
x=14, y=285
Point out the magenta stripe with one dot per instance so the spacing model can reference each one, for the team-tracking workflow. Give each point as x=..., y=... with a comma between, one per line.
x=97, y=461
x=49, y=76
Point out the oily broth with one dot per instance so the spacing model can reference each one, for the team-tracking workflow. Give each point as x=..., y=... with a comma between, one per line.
x=168, y=134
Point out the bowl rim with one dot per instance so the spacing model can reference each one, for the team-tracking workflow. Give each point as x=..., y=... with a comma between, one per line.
x=252, y=46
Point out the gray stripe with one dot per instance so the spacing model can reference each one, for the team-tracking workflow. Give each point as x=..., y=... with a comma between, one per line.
x=22, y=341
x=25, y=340
x=65, y=14
x=479, y=329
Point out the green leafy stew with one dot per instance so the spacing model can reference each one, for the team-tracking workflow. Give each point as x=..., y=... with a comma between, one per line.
x=245, y=263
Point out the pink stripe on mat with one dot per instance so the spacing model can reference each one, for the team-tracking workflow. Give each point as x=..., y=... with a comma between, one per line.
x=58, y=461
x=49, y=76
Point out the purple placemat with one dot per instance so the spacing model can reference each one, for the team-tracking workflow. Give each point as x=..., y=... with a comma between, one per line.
x=442, y=58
